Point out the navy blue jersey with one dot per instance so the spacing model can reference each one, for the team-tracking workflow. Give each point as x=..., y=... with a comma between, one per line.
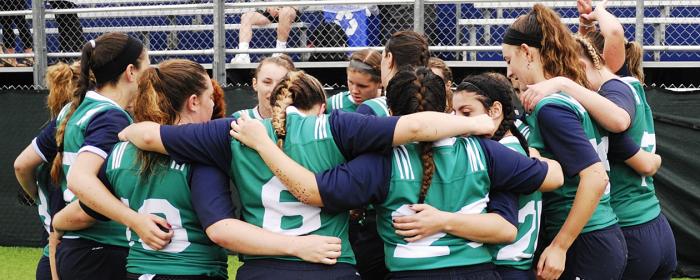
x=564, y=137
x=45, y=143
x=365, y=110
x=621, y=94
x=622, y=146
x=101, y=132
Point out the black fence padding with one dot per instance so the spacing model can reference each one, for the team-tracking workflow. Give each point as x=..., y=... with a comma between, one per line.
x=22, y=113
x=677, y=122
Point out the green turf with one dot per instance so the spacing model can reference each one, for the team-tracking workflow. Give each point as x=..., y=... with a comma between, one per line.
x=19, y=263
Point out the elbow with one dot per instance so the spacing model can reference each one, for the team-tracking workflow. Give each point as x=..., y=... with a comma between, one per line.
x=603, y=184
x=149, y=139
x=415, y=128
x=620, y=124
x=554, y=179
x=73, y=181
x=510, y=234
x=616, y=32
x=20, y=167
x=217, y=233
x=651, y=169
x=218, y=238
x=506, y=235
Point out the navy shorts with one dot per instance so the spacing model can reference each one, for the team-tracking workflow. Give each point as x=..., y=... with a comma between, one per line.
x=368, y=247
x=471, y=272
x=43, y=269
x=600, y=254
x=652, y=250
x=291, y=270
x=86, y=259
x=509, y=273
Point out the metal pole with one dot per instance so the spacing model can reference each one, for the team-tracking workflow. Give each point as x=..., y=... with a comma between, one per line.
x=219, y=64
x=419, y=16
x=39, y=26
x=639, y=27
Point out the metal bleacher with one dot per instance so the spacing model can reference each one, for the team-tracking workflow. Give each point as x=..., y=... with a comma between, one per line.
x=465, y=33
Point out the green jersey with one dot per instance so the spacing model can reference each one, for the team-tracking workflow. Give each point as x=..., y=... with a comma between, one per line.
x=252, y=113
x=523, y=128
x=557, y=204
x=519, y=254
x=378, y=105
x=165, y=192
x=111, y=233
x=461, y=188
x=341, y=101
x=42, y=200
x=632, y=196
x=266, y=201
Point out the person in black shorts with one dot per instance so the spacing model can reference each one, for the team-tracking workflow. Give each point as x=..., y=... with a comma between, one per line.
x=284, y=16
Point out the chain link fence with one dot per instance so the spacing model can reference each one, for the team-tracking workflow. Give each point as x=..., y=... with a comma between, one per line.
x=211, y=31
x=671, y=29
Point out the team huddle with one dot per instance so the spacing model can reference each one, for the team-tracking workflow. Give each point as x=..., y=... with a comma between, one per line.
x=403, y=176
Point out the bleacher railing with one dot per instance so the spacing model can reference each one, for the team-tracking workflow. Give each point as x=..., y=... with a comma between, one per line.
x=463, y=32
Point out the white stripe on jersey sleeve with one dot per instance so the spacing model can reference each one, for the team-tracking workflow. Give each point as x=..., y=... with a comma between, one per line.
x=399, y=165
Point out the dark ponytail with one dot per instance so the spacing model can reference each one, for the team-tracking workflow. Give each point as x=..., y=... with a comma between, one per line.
x=492, y=87
x=418, y=90
x=408, y=48
x=107, y=50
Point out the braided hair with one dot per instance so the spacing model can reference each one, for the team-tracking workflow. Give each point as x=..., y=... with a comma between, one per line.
x=490, y=88
x=297, y=89
x=414, y=90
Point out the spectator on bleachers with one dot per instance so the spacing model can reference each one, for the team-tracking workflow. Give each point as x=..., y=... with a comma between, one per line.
x=8, y=33
x=284, y=16
x=70, y=32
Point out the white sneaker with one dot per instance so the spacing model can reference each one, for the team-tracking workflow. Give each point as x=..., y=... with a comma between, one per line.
x=241, y=58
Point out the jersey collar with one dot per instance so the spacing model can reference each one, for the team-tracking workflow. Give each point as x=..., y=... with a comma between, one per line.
x=294, y=110
x=94, y=95
x=256, y=113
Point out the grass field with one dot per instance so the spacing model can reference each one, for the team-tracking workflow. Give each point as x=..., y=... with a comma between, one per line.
x=19, y=263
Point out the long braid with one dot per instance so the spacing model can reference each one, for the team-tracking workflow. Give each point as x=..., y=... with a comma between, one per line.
x=590, y=51
x=508, y=124
x=416, y=90
x=426, y=147
x=282, y=97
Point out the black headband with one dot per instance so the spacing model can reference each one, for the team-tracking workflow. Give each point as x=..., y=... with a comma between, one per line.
x=131, y=52
x=516, y=38
x=356, y=64
x=467, y=86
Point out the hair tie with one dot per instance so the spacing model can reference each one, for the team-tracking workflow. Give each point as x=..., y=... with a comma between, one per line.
x=92, y=43
x=464, y=85
x=364, y=67
x=516, y=38
x=112, y=69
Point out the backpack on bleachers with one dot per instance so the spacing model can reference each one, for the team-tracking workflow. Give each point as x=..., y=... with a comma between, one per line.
x=328, y=35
